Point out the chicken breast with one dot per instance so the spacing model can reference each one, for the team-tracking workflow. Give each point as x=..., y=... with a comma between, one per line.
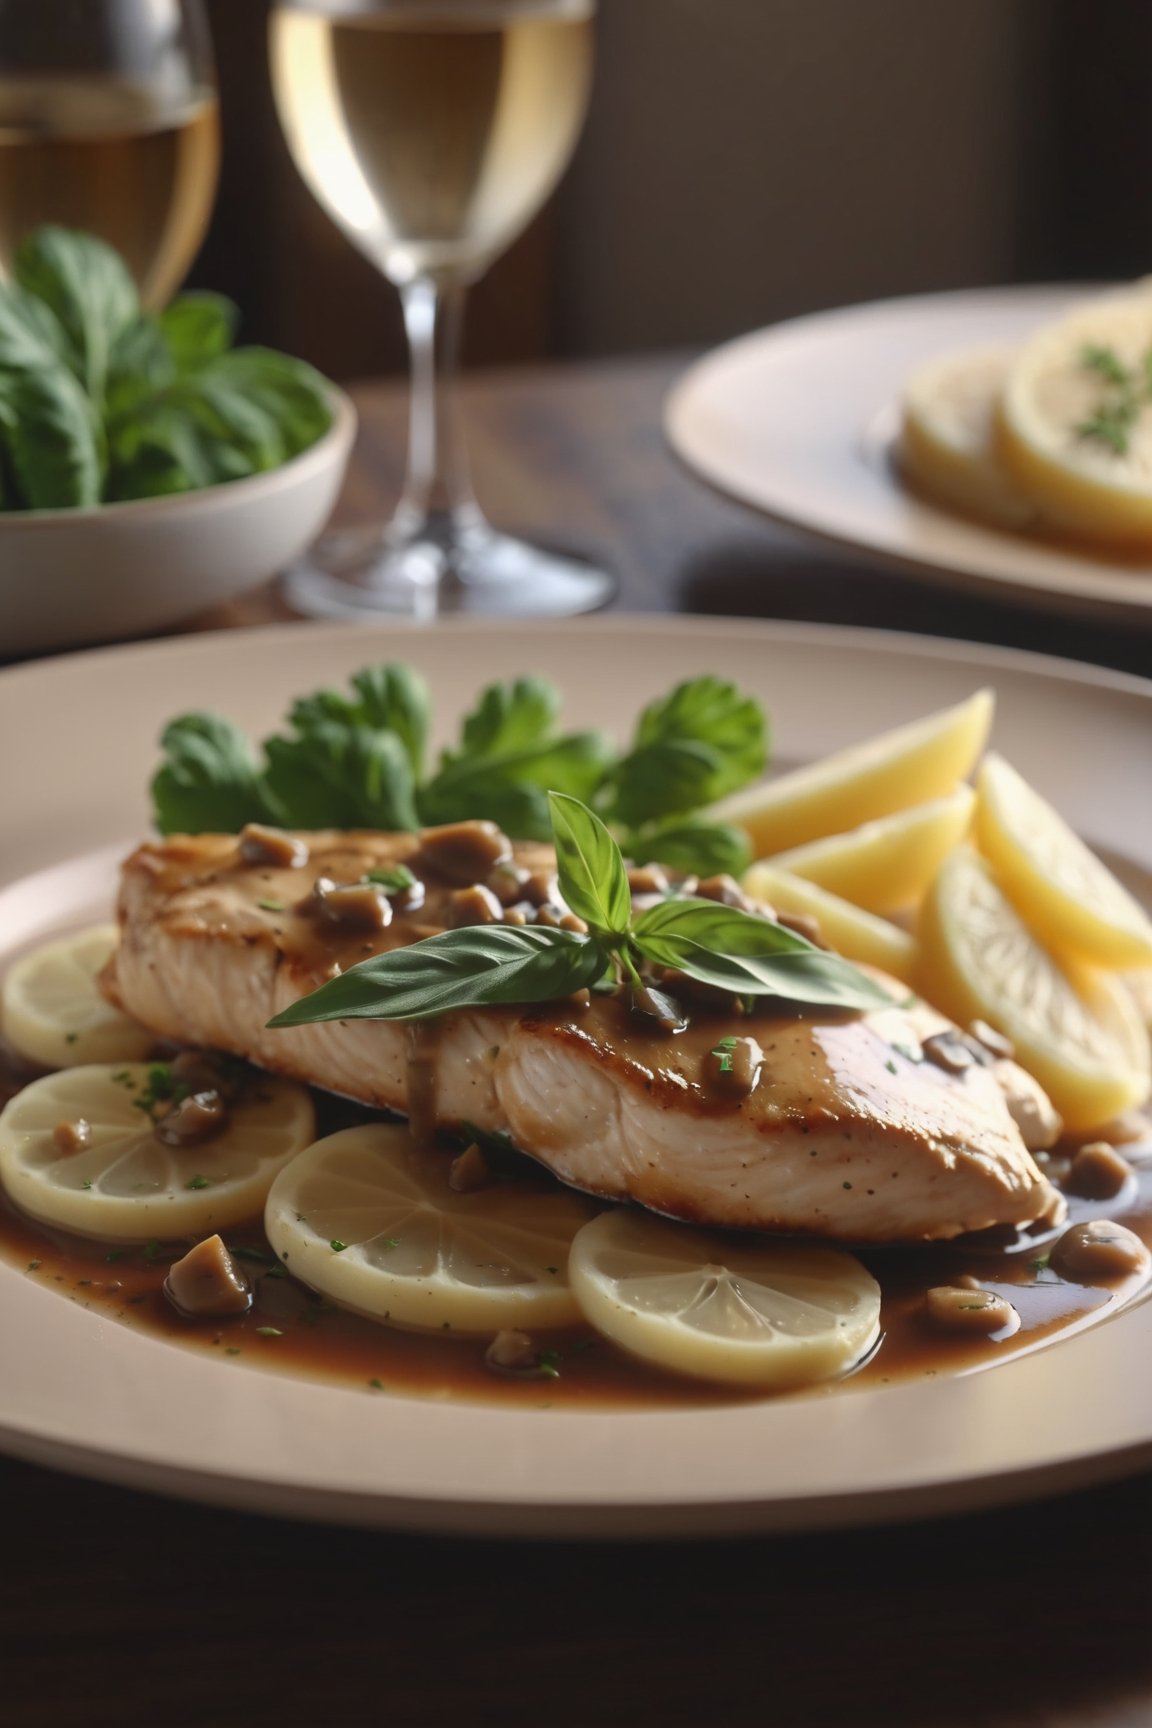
x=884, y=1126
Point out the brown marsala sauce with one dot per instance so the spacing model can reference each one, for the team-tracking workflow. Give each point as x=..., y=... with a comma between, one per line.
x=291, y=1329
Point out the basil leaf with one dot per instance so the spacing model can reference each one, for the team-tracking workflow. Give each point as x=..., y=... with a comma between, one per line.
x=86, y=284
x=510, y=716
x=589, y=867
x=31, y=337
x=472, y=968
x=197, y=328
x=54, y=441
x=209, y=781
x=296, y=397
x=697, y=848
x=141, y=368
x=226, y=413
x=340, y=777
x=751, y=956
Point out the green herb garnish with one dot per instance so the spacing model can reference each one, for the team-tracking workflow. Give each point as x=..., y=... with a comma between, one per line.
x=197, y=1182
x=337, y=1246
x=723, y=1054
x=357, y=760
x=496, y=963
x=271, y=905
x=269, y=1332
x=394, y=880
x=160, y=1087
x=1127, y=392
x=100, y=401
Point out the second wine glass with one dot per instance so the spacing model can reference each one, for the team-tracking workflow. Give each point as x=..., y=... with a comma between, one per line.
x=432, y=131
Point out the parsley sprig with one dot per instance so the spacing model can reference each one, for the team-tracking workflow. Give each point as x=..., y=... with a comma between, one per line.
x=483, y=965
x=1127, y=392
x=359, y=759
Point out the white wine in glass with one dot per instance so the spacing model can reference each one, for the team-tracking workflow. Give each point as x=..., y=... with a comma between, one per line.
x=108, y=123
x=432, y=131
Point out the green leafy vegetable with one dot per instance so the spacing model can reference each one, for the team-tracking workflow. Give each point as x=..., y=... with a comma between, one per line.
x=101, y=402
x=590, y=869
x=480, y=966
x=209, y=779
x=356, y=758
x=340, y=777
x=470, y=968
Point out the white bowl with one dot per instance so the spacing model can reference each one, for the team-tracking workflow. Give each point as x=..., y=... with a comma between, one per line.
x=69, y=577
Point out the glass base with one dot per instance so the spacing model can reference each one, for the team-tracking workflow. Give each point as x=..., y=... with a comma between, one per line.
x=372, y=573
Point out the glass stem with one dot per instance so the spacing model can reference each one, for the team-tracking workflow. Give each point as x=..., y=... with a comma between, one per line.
x=438, y=501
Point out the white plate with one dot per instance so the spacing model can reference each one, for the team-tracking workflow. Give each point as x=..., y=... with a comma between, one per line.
x=76, y=748
x=801, y=421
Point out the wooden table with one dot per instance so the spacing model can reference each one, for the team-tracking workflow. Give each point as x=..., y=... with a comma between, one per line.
x=116, y=1607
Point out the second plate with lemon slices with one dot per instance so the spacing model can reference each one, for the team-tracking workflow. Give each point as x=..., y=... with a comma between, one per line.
x=801, y=422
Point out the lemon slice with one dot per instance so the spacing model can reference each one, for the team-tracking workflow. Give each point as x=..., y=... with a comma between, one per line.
x=122, y=1184
x=887, y=865
x=370, y=1221
x=767, y=1314
x=856, y=934
x=52, y=1012
x=924, y=760
x=948, y=437
x=1071, y=900
x=1086, y=484
x=1076, y=1030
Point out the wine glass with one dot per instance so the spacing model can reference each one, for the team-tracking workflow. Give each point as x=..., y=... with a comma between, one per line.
x=432, y=131
x=108, y=123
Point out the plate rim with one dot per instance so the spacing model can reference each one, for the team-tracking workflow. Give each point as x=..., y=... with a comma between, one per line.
x=636, y=1512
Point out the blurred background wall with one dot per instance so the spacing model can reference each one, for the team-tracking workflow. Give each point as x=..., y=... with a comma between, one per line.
x=744, y=160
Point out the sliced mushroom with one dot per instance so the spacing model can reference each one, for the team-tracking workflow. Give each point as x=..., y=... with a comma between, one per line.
x=474, y=905
x=207, y=1283
x=726, y=891
x=354, y=905
x=1098, y=1252
x=959, y=1308
x=463, y=852
x=194, y=1119
x=734, y=1066
x=1097, y=1172
x=261, y=845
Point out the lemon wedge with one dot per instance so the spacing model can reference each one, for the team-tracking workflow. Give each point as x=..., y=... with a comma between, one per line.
x=1071, y=900
x=1066, y=380
x=75, y=1151
x=371, y=1222
x=948, y=437
x=1076, y=1030
x=772, y=1315
x=887, y=865
x=915, y=763
x=52, y=1012
x=855, y=934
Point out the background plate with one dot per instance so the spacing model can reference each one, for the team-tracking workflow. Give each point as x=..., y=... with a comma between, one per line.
x=800, y=421
x=84, y=1393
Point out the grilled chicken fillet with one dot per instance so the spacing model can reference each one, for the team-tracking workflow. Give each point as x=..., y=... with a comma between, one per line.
x=849, y=1131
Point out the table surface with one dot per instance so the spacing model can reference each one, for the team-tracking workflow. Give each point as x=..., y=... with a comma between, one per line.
x=116, y=1605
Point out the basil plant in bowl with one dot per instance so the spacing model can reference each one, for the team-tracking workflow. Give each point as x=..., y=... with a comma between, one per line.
x=148, y=467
